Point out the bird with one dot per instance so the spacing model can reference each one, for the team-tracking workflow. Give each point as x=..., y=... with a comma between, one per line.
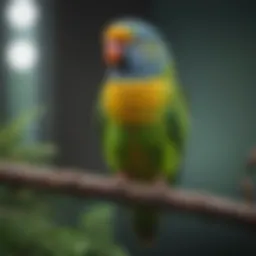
x=141, y=112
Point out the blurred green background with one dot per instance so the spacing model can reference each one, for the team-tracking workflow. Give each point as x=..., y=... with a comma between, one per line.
x=213, y=44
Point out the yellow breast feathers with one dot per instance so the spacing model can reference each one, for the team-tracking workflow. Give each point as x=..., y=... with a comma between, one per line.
x=134, y=101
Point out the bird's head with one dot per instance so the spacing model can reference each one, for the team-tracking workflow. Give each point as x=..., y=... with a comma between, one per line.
x=133, y=48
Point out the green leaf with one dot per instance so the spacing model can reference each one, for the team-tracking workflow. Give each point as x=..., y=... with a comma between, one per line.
x=11, y=140
x=66, y=241
x=97, y=223
x=35, y=154
x=11, y=132
x=118, y=251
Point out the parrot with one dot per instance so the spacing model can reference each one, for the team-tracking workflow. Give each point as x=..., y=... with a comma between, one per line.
x=142, y=113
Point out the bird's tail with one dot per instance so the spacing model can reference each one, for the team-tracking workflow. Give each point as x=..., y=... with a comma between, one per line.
x=145, y=221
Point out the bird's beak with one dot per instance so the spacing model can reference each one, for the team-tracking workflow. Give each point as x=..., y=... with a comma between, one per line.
x=113, y=52
x=115, y=40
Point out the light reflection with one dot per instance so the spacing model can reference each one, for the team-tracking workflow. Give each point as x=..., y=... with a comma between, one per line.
x=21, y=55
x=22, y=14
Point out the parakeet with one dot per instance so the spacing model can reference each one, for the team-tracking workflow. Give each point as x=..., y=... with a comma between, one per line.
x=141, y=111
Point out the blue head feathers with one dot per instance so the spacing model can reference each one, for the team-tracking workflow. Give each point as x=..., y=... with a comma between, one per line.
x=141, y=50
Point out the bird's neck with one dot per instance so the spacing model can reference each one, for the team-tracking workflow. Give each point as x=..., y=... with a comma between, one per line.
x=133, y=71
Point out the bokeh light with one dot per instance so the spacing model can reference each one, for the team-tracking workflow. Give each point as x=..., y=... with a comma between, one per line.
x=22, y=14
x=21, y=55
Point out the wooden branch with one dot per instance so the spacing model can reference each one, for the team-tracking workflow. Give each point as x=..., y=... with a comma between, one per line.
x=86, y=185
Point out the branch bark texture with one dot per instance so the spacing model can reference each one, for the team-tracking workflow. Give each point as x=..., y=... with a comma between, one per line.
x=84, y=184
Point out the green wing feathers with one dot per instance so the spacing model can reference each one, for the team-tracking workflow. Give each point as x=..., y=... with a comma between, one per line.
x=177, y=114
x=177, y=123
x=106, y=135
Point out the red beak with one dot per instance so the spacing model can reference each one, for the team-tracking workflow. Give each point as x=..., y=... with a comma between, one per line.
x=113, y=52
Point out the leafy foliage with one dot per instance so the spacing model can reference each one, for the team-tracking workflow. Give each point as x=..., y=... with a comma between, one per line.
x=26, y=226
x=32, y=233
x=12, y=147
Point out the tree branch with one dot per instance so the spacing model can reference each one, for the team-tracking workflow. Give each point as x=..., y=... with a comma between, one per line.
x=83, y=184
